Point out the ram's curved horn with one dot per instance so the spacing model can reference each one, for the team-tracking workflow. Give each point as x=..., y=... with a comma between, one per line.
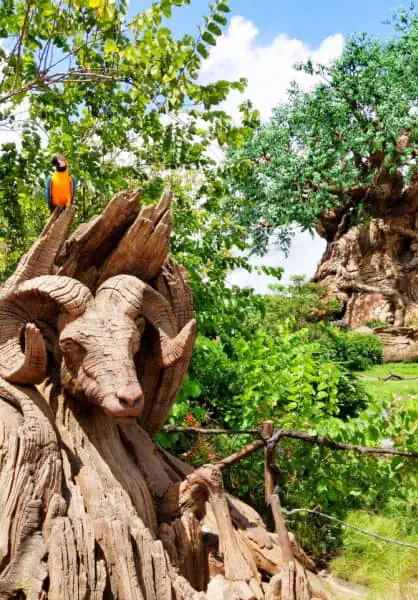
x=23, y=356
x=136, y=298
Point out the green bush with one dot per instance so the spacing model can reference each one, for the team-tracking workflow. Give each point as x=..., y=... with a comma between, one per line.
x=362, y=351
x=356, y=351
x=375, y=324
x=211, y=367
x=352, y=395
x=298, y=304
x=301, y=380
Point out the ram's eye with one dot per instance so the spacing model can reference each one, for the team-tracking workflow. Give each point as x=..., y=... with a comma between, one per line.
x=74, y=354
x=70, y=346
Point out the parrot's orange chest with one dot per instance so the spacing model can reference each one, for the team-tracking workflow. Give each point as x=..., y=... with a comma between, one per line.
x=61, y=189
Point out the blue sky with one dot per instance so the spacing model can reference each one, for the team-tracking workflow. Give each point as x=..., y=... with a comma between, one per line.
x=309, y=20
x=262, y=42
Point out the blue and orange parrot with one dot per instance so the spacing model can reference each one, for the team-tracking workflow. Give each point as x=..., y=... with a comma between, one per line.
x=61, y=187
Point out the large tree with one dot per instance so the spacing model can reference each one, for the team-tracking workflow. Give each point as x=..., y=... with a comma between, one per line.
x=342, y=159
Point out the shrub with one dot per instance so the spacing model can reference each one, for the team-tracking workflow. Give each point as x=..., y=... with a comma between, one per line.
x=375, y=324
x=362, y=351
x=216, y=374
x=299, y=304
x=356, y=351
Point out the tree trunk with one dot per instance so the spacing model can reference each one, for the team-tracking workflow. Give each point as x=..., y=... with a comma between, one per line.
x=91, y=507
x=372, y=268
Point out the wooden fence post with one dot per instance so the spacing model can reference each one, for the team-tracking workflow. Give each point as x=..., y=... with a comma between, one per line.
x=268, y=429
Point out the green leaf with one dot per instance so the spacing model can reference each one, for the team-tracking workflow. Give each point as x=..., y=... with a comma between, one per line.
x=203, y=51
x=209, y=39
x=223, y=8
x=213, y=28
x=220, y=19
x=166, y=8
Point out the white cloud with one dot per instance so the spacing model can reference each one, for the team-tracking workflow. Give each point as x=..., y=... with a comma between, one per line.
x=269, y=70
x=303, y=258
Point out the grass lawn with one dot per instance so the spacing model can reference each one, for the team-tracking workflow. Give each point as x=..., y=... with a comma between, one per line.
x=372, y=379
x=390, y=572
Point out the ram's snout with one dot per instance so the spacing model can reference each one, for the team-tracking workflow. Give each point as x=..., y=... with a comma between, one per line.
x=128, y=402
x=130, y=394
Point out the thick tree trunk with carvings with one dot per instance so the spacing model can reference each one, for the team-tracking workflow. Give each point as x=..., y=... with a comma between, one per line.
x=96, y=334
x=372, y=268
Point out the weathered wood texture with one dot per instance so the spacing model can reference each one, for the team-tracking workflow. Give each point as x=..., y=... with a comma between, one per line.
x=372, y=268
x=90, y=507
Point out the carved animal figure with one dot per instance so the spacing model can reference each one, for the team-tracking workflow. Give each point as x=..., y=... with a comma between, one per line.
x=92, y=335
x=98, y=337
x=90, y=505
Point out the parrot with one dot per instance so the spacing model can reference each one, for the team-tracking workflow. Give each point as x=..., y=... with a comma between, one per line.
x=61, y=187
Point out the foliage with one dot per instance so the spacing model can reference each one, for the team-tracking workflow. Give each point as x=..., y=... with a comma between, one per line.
x=390, y=571
x=356, y=351
x=300, y=382
x=216, y=374
x=204, y=240
x=349, y=144
x=118, y=95
x=376, y=324
x=21, y=217
x=300, y=303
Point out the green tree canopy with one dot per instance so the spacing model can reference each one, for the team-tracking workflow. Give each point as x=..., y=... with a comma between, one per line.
x=117, y=94
x=346, y=148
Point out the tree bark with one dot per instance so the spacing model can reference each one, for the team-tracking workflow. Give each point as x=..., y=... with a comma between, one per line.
x=372, y=268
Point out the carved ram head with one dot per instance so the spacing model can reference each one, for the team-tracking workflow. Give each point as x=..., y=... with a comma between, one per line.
x=98, y=336
x=94, y=332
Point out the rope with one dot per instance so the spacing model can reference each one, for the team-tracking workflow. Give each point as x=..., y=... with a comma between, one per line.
x=198, y=430
x=345, y=524
x=292, y=434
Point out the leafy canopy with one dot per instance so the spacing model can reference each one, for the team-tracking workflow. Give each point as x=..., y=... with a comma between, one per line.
x=350, y=144
x=118, y=95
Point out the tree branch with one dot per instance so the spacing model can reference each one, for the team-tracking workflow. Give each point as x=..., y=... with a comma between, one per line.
x=313, y=439
x=292, y=434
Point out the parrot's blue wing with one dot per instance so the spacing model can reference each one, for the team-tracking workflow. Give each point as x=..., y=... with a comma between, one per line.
x=74, y=180
x=48, y=192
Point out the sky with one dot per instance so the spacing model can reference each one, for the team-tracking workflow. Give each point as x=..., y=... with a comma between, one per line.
x=262, y=42
x=308, y=20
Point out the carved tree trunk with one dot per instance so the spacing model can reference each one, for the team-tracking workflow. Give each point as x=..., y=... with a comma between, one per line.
x=90, y=506
x=372, y=268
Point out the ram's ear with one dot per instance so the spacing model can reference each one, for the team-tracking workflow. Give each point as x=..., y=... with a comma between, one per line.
x=31, y=368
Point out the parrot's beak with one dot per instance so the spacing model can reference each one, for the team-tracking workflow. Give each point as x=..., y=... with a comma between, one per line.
x=62, y=164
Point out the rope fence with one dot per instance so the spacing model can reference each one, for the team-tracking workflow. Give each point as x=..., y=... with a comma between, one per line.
x=269, y=438
x=293, y=434
x=350, y=526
